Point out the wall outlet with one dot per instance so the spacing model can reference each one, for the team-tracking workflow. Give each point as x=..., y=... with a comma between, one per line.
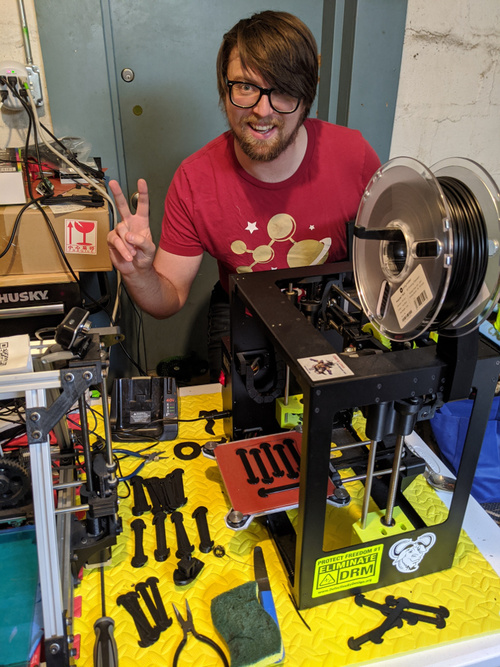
x=17, y=74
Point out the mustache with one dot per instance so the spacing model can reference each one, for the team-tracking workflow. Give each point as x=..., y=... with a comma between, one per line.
x=251, y=119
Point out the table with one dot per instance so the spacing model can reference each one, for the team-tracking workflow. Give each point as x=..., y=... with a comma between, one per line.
x=471, y=589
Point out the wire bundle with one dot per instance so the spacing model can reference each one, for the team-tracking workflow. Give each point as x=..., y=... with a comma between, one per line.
x=35, y=127
x=39, y=131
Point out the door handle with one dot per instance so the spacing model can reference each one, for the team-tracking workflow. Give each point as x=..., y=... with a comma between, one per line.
x=134, y=200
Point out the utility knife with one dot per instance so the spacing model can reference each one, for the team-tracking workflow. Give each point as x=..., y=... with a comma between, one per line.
x=265, y=595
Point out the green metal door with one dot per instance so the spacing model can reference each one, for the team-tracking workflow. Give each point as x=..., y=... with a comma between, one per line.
x=137, y=81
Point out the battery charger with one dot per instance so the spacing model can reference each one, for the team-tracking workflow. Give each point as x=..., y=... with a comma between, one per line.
x=144, y=408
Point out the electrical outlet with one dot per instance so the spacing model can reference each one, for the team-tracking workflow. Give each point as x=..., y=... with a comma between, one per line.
x=22, y=73
x=15, y=73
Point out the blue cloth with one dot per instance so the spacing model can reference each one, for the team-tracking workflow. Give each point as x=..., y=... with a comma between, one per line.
x=449, y=426
x=20, y=611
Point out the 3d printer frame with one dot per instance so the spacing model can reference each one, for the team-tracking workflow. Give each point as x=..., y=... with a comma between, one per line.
x=64, y=543
x=264, y=321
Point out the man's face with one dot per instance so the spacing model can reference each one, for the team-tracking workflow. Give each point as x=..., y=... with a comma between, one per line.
x=262, y=133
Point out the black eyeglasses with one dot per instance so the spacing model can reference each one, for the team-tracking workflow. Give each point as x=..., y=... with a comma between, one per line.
x=247, y=95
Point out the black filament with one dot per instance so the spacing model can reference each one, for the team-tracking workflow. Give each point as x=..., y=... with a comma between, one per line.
x=470, y=250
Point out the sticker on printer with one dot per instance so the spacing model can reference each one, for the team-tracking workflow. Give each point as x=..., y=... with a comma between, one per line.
x=80, y=237
x=325, y=367
x=407, y=554
x=339, y=572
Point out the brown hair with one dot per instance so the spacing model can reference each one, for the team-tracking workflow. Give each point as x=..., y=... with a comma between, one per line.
x=280, y=47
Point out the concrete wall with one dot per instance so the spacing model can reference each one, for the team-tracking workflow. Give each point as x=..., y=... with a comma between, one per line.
x=13, y=124
x=449, y=91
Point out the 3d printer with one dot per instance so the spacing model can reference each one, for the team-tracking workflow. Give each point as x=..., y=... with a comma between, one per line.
x=63, y=372
x=424, y=275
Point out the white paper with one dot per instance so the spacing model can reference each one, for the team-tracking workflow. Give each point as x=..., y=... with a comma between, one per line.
x=15, y=355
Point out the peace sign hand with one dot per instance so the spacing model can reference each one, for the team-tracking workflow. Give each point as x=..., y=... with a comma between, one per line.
x=130, y=243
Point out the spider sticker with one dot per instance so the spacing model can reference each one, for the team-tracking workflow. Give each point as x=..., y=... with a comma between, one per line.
x=325, y=367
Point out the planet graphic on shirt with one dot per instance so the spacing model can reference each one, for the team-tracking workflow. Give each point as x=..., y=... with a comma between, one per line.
x=309, y=252
x=281, y=227
x=263, y=254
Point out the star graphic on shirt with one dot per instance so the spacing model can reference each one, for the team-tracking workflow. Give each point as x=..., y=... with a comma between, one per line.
x=312, y=227
x=251, y=227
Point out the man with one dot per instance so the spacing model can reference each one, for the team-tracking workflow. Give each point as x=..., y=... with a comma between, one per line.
x=274, y=191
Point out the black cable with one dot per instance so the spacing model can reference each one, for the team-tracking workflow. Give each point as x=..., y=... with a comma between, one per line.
x=140, y=331
x=71, y=156
x=31, y=201
x=100, y=304
x=45, y=330
x=77, y=424
x=133, y=429
x=98, y=173
x=144, y=436
x=37, y=202
x=95, y=415
x=140, y=335
x=4, y=418
x=89, y=201
x=70, y=268
x=15, y=228
x=120, y=476
x=132, y=361
x=13, y=406
x=154, y=443
x=19, y=432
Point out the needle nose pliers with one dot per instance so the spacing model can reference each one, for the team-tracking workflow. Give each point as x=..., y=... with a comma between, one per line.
x=146, y=458
x=188, y=627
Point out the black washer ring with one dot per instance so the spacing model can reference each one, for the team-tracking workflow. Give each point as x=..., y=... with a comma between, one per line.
x=219, y=551
x=187, y=456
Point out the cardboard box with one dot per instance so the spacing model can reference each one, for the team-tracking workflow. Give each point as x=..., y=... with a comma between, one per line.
x=81, y=234
x=36, y=279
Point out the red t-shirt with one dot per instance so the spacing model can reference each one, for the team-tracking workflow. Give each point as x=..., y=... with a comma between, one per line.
x=214, y=205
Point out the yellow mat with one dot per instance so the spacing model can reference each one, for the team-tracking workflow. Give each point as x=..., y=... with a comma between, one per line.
x=470, y=589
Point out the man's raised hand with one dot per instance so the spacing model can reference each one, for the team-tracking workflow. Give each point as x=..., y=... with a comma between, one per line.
x=130, y=243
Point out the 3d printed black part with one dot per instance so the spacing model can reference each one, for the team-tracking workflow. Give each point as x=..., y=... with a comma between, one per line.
x=187, y=450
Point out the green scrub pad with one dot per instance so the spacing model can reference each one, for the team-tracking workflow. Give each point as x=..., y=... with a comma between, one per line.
x=252, y=636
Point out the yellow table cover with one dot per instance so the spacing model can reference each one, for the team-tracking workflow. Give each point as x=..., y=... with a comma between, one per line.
x=470, y=589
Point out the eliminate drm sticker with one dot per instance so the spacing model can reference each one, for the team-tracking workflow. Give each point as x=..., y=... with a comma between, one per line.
x=80, y=237
x=347, y=570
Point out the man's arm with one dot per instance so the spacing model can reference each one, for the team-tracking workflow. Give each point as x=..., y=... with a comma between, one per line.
x=163, y=290
x=158, y=281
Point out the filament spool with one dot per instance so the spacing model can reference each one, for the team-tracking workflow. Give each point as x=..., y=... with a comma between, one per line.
x=426, y=249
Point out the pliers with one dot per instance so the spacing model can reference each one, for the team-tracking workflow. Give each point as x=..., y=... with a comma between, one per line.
x=146, y=458
x=188, y=627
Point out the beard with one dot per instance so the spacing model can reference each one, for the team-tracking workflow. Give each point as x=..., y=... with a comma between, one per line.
x=264, y=150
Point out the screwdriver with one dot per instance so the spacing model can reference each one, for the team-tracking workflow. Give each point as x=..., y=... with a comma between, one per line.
x=105, y=651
